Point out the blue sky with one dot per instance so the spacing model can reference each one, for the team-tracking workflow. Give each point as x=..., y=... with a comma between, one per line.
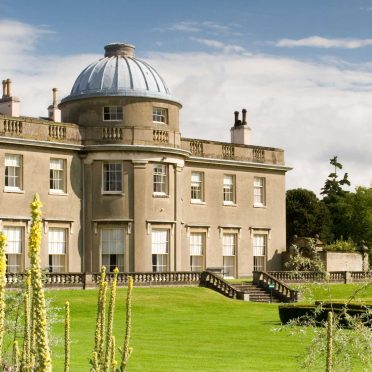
x=303, y=69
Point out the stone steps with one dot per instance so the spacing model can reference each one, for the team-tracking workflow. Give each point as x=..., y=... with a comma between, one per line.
x=256, y=293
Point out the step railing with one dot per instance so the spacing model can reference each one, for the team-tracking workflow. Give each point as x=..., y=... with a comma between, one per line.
x=215, y=282
x=279, y=289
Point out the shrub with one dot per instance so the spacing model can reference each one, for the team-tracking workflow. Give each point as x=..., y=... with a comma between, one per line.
x=341, y=246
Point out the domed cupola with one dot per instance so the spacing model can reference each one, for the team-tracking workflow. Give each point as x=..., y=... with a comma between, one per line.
x=119, y=73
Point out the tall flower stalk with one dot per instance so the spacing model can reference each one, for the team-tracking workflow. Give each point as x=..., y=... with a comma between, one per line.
x=126, y=349
x=26, y=355
x=67, y=337
x=38, y=299
x=2, y=291
x=329, y=362
x=110, y=320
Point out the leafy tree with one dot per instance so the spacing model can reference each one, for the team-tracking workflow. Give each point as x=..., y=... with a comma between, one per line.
x=334, y=198
x=306, y=215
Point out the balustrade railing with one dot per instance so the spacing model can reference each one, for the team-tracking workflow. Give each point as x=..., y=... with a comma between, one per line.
x=258, y=155
x=215, y=282
x=57, y=131
x=114, y=133
x=279, y=289
x=228, y=152
x=196, y=148
x=161, y=136
x=317, y=276
x=151, y=278
x=13, y=126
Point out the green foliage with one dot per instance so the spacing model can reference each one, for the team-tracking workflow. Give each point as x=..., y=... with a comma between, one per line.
x=307, y=216
x=305, y=260
x=341, y=246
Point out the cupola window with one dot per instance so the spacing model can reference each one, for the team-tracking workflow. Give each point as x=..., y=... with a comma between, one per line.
x=160, y=115
x=112, y=113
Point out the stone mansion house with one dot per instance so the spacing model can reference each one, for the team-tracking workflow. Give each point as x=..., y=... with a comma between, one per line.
x=121, y=187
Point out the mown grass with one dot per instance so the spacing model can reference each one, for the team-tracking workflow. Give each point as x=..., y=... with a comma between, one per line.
x=186, y=329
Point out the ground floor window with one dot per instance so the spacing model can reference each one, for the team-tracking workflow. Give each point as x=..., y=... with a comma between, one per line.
x=13, y=251
x=259, y=252
x=197, y=249
x=229, y=253
x=160, y=250
x=112, y=247
x=57, y=249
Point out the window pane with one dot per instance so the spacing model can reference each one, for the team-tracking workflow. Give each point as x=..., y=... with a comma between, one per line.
x=14, y=239
x=160, y=179
x=197, y=186
x=13, y=166
x=112, y=176
x=113, y=113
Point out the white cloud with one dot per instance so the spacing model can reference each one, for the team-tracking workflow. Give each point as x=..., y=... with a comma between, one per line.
x=321, y=42
x=313, y=111
x=224, y=47
x=208, y=27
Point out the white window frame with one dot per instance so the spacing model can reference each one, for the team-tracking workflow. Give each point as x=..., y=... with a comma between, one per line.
x=259, y=191
x=160, y=180
x=197, y=251
x=160, y=115
x=14, y=248
x=259, y=247
x=160, y=246
x=197, y=187
x=57, y=176
x=229, y=252
x=112, y=113
x=116, y=247
x=13, y=172
x=106, y=172
x=229, y=189
x=57, y=261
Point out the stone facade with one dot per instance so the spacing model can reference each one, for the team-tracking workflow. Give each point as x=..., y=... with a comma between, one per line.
x=121, y=187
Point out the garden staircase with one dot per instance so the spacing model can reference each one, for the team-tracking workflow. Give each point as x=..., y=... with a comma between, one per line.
x=255, y=293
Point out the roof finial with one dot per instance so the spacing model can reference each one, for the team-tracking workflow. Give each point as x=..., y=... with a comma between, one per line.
x=119, y=49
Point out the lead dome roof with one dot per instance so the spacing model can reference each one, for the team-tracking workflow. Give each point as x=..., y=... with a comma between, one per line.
x=119, y=73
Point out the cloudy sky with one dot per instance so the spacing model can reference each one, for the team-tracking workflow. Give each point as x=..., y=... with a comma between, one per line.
x=302, y=69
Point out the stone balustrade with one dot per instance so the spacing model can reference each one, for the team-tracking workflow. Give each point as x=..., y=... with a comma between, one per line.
x=279, y=288
x=57, y=131
x=112, y=133
x=215, y=282
x=13, y=126
x=228, y=151
x=316, y=276
x=160, y=136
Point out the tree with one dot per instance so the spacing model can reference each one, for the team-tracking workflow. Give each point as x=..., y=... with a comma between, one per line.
x=334, y=198
x=306, y=215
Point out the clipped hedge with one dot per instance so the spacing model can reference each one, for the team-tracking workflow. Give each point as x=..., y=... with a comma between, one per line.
x=319, y=312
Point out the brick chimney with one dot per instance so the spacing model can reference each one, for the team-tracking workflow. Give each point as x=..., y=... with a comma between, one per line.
x=240, y=132
x=9, y=105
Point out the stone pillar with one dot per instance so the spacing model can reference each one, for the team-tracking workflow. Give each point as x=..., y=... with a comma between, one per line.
x=178, y=183
x=141, y=238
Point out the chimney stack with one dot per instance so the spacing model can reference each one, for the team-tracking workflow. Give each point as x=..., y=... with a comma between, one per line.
x=9, y=105
x=240, y=132
x=54, y=113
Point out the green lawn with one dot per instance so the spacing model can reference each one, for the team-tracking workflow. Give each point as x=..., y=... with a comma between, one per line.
x=184, y=329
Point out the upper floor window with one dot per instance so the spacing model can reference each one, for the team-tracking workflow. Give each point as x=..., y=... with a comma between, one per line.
x=160, y=115
x=14, y=248
x=57, y=177
x=112, y=113
x=57, y=249
x=13, y=172
x=228, y=189
x=160, y=179
x=197, y=186
x=112, y=177
x=259, y=191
